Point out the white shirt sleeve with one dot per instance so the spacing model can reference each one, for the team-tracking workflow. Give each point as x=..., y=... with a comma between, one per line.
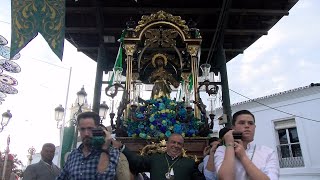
x=209, y=175
x=218, y=157
x=272, y=166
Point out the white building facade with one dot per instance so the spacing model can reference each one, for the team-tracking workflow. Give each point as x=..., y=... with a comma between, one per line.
x=289, y=122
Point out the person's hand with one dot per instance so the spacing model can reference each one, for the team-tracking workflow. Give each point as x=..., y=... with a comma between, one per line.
x=116, y=144
x=107, y=139
x=206, y=150
x=213, y=148
x=228, y=137
x=239, y=149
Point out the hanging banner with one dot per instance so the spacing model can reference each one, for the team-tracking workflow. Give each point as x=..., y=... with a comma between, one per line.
x=30, y=17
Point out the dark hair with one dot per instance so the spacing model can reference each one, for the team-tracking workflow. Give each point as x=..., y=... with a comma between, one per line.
x=235, y=115
x=213, y=139
x=223, y=131
x=48, y=145
x=89, y=114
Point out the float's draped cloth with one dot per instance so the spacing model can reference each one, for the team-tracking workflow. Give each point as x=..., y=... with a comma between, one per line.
x=28, y=17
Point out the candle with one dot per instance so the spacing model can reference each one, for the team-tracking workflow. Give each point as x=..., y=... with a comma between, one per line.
x=112, y=106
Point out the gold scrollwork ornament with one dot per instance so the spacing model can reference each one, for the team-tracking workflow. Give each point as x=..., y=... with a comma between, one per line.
x=193, y=50
x=130, y=49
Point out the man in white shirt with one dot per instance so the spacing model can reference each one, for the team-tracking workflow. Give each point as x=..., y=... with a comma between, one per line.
x=208, y=161
x=242, y=159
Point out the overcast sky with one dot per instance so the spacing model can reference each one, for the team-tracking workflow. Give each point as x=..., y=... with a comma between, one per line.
x=287, y=58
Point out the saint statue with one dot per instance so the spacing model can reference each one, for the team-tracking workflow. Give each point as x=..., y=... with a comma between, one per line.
x=161, y=78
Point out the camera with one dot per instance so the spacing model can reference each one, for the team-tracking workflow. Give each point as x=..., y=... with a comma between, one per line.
x=237, y=135
x=96, y=132
x=98, y=136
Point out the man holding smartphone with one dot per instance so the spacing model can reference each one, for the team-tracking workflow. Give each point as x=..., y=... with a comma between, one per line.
x=242, y=159
x=86, y=162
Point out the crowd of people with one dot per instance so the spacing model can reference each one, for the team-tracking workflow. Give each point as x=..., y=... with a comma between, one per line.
x=229, y=157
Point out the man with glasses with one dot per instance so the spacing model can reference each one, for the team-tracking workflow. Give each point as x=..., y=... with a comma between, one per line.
x=170, y=165
x=87, y=162
x=242, y=159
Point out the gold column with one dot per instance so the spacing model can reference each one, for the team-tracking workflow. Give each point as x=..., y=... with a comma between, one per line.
x=193, y=50
x=130, y=49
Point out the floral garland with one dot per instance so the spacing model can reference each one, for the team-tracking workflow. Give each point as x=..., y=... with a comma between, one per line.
x=160, y=118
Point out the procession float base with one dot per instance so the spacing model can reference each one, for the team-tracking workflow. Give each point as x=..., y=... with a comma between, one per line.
x=193, y=146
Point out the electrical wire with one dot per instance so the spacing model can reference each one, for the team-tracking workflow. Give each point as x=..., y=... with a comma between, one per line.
x=274, y=108
x=5, y=22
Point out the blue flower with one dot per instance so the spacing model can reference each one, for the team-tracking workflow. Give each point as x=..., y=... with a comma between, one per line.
x=177, y=128
x=140, y=126
x=143, y=135
x=168, y=133
x=163, y=129
x=140, y=115
x=161, y=106
x=151, y=119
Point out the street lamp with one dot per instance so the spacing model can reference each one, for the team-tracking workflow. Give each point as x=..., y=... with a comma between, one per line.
x=6, y=116
x=31, y=152
x=82, y=97
x=58, y=114
x=103, y=111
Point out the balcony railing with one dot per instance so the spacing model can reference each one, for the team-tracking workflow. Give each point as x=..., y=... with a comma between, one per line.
x=286, y=159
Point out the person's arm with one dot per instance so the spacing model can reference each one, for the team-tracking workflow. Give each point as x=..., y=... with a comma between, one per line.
x=29, y=173
x=123, y=171
x=210, y=162
x=226, y=170
x=272, y=167
x=208, y=171
x=64, y=174
x=137, y=163
x=252, y=171
x=104, y=156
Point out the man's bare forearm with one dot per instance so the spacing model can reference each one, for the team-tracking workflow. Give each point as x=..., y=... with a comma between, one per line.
x=103, y=163
x=210, y=164
x=226, y=171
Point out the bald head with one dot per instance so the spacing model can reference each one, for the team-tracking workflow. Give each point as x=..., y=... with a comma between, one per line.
x=175, y=135
x=174, y=145
x=47, y=152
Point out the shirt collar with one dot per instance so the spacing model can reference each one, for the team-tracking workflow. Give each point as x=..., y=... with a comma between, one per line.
x=79, y=149
x=46, y=163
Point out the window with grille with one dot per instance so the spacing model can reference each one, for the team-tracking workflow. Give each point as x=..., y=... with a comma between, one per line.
x=289, y=150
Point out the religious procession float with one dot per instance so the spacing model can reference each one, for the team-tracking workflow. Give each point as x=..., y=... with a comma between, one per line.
x=163, y=51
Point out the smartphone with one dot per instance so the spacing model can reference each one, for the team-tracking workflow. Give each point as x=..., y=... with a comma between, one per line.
x=237, y=135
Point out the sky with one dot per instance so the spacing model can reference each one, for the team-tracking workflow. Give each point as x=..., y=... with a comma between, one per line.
x=286, y=58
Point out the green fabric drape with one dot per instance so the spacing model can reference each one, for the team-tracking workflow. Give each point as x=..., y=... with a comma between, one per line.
x=30, y=17
x=118, y=63
x=68, y=138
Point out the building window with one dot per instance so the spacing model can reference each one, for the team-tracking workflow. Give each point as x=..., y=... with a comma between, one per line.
x=289, y=149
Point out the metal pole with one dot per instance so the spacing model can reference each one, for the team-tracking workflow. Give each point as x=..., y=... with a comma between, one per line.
x=5, y=159
x=64, y=117
x=224, y=84
x=101, y=58
x=99, y=75
x=75, y=141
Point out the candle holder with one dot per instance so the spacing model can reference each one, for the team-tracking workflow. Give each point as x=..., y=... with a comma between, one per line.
x=211, y=116
x=112, y=115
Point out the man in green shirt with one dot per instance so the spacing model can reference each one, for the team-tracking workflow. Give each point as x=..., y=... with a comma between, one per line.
x=170, y=165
